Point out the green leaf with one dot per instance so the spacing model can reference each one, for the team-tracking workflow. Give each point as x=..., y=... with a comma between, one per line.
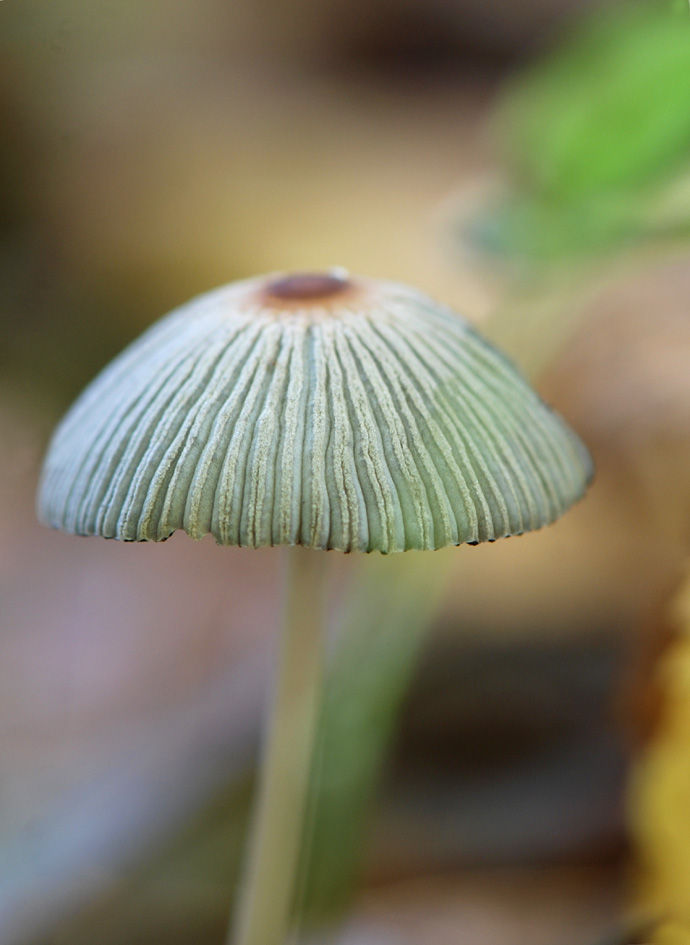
x=607, y=111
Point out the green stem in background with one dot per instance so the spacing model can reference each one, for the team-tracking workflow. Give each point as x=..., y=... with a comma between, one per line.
x=263, y=911
x=394, y=602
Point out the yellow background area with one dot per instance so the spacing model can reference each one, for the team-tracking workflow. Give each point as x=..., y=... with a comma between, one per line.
x=660, y=793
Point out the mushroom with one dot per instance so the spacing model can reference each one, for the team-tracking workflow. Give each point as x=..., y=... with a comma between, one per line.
x=317, y=410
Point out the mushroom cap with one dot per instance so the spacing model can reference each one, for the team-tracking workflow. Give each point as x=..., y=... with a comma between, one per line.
x=311, y=409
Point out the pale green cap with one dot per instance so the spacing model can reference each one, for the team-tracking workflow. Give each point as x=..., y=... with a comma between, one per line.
x=311, y=409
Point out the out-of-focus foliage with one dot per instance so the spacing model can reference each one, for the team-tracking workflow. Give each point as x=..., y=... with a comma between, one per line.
x=660, y=797
x=606, y=111
x=384, y=631
x=595, y=141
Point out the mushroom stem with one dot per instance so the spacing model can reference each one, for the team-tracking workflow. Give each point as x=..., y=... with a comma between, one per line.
x=264, y=907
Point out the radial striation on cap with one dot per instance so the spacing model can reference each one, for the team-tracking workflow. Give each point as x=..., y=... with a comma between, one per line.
x=350, y=414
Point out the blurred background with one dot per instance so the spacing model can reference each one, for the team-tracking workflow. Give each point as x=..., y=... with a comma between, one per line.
x=154, y=150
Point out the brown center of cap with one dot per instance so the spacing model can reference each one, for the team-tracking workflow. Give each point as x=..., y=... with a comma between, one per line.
x=307, y=286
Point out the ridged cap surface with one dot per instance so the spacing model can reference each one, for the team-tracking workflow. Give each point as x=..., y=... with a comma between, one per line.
x=320, y=410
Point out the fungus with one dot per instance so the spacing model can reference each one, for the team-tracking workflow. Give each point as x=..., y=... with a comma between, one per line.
x=316, y=410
